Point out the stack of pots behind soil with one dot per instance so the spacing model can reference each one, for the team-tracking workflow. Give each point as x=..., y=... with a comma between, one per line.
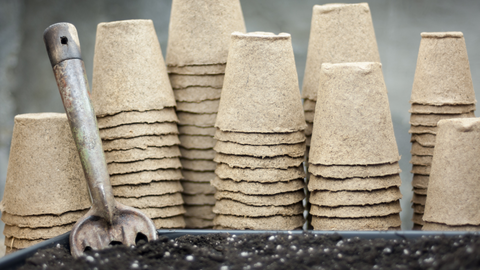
x=260, y=137
x=134, y=104
x=199, y=37
x=442, y=89
x=339, y=33
x=353, y=163
x=453, y=193
x=45, y=192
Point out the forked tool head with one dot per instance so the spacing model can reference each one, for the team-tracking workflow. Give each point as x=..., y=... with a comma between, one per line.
x=94, y=232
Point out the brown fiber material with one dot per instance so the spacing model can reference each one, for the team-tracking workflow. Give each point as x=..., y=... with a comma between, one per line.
x=356, y=224
x=343, y=198
x=420, y=181
x=164, y=212
x=43, y=160
x=259, y=175
x=427, y=140
x=197, y=142
x=260, y=138
x=376, y=210
x=292, y=150
x=36, y=233
x=197, y=154
x=140, y=154
x=260, y=223
x=420, y=191
x=418, y=208
x=207, y=106
x=198, y=120
x=338, y=33
x=431, y=120
x=422, y=130
x=309, y=116
x=153, y=188
x=309, y=105
x=42, y=221
x=183, y=81
x=177, y=222
x=199, y=199
x=198, y=69
x=197, y=94
x=199, y=32
x=442, y=76
x=454, y=185
x=144, y=165
x=234, y=208
x=129, y=73
x=152, y=201
x=259, y=96
x=15, y=244
x=352, y=184
x=445, y=109
x=134, y=117
x=354, y=125
x=431, y=226
x=287, y=198
x=141, y=142
x=198, y=165
x=419, y=199
x=136, y=130
x=422, y=170
x=309, y=129
x=200, y=211
x=421, y=160
x=198, y=223
x=420, y=150
x=253, y=188
x=146, y=177
x=198, y=177
x=418, y=219
x=362, y=171
x=280, y=162
x=193, y=130
x=193, y=188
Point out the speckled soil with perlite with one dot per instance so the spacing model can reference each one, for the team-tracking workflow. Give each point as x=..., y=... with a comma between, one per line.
x=277, y=251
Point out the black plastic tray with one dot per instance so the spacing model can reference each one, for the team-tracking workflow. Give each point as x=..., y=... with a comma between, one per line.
x=17, y=259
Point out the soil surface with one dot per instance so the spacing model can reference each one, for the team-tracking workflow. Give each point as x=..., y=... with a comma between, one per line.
x=280, y=251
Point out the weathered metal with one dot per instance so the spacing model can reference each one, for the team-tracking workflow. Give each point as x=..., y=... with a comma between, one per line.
x=108, y=222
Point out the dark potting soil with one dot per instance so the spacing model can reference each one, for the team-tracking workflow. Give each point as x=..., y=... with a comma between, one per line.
x=279, y=251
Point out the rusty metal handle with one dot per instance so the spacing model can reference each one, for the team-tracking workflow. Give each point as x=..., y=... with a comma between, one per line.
x=63, y=49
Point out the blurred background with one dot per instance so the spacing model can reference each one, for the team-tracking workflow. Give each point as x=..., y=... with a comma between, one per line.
x=27, y=83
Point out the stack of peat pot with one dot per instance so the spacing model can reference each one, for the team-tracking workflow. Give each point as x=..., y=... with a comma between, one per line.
x=339, y=33
x=442, y=89
x=353, y=162
x=199, y=36
x=260, y=137
x=454, y=187
x=45, y=192
x=134, y=104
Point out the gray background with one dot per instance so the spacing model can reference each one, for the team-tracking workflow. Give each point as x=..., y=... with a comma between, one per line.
x=27, y=84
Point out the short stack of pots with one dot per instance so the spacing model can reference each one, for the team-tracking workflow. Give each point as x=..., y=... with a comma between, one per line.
x=260, y=137
x=353, y=162
x=199, y=36
x=442, y=89
x=45, y=192
x=134, y=104
x=454, y=187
